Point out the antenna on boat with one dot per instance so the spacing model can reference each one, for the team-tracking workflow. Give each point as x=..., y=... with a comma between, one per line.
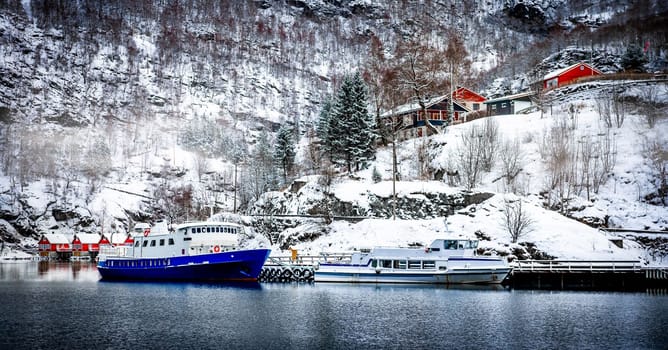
x=445, y=222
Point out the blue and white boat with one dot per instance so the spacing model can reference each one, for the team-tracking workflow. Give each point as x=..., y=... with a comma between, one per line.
x=197, y=251
x=445, y=261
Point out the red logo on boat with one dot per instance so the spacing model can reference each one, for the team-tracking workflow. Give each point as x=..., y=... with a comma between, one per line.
x=147, y=231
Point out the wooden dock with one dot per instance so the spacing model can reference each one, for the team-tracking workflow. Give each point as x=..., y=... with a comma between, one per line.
x=586, y=275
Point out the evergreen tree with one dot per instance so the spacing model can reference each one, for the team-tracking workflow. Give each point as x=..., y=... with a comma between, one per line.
x=351, y=129
x=633, y=58
x=322, y=129
x=284, y=150
x=262, y=177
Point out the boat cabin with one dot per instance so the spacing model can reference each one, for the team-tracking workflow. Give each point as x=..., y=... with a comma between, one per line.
x=181, y=240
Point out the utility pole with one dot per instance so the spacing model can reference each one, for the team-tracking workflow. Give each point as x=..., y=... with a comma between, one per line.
x=235, y=188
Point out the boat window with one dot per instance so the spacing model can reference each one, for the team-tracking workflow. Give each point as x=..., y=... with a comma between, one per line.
x=428, y=264
x=450, y=244
x=192, y=230
x=171, y=241
x=217, y=229
x=137, y=244
x=386, y=263
x=145, y=244
x=474, y=244
x=224, y=229
x=152, y=243
x=234, y=230
x=208, y=229
x=374, y=263
x=400, y=264
x=187, y=238
x=414, y=264
x=460, y=244
x=199, y=230
x=162, y=241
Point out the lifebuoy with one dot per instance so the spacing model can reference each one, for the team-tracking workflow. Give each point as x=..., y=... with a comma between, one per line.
x=216, y=249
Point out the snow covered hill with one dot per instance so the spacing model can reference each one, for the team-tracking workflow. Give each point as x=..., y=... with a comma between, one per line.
x=113, y=113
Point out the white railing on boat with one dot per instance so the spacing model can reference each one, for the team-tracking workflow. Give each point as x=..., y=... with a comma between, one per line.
x=576, y=265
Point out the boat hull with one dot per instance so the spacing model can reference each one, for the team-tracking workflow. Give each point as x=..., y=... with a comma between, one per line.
x=238, y=265
x=364, y=274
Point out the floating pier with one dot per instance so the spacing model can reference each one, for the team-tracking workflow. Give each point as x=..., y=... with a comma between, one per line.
x=586, y=275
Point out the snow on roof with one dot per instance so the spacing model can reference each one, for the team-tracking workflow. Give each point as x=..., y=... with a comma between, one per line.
x=56, y=238
x=561, y=71
x=88, y=238
x=510, y=97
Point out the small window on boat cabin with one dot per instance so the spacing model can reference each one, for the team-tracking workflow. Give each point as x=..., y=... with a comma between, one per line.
x=414, y=264
x=137, y=244
x=199, y=230
x=152, y=243
x=192, y=230
x=217, y=229
x=171, y=241
x=428, y=264
x=187, y=238
x=208, y=229
x=374, y=263
x=145, y=244
x=162, y=241
x=450, y=244
x=400, y=264
x=386, y=263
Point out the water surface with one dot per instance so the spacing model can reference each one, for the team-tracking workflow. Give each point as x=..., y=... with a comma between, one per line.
x=65, y=306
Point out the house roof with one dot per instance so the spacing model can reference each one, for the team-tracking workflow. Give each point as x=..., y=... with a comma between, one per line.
x=414, y=106
x=561, y=71
x=88, y=238
x=460, y=90
x=56, y=238
x=511, y=97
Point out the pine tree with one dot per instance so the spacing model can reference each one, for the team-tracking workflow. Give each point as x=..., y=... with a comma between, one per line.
x=284, y=151
x=633, y=59
x=351, y=129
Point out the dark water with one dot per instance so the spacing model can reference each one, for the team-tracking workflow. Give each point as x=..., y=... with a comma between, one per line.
x=66, y=307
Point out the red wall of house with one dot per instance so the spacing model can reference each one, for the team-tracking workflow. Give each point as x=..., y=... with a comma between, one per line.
x=573, y=74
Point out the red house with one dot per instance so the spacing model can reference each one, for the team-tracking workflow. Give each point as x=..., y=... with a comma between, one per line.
x=86, y=243
x=54, y=245
x=568, y=75
x=469, y=99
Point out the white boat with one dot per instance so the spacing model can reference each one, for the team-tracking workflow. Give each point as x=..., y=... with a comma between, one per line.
x=445, y=261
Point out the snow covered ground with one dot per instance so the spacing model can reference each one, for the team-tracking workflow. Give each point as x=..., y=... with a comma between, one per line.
x=552, y=233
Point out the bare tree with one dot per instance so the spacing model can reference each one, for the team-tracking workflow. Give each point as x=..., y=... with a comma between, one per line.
x=516, y=220
x=618, y=108
x=469, y=157
x=512, y=162
x=556, y=148
x=489, y=143
x=651, y=105
x=604, y=109
x=656, y=154
x=420, y=70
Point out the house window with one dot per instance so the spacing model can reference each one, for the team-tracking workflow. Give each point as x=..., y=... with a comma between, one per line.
x=503, y=105
x=476, y=106
x=493, y=107
x=582, y=67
